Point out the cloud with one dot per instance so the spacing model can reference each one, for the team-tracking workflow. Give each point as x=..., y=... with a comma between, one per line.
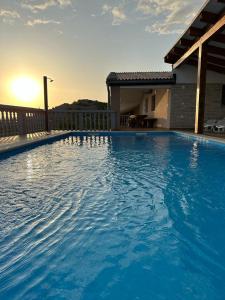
x=9, y=16
x=106, y=8
x=41, y=22
x=59, y=32
x=118, y=15
x=43, y=5
x=156, y=7
x=163, y=28
x=116, y=12
x=173, y=15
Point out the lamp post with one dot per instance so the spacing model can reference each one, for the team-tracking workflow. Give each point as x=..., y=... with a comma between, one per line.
x=45, y=83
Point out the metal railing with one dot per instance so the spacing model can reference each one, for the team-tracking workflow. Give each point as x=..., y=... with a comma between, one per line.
x=124, y=121
x=15, y=120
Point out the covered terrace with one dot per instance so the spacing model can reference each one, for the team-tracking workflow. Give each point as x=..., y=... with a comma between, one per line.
x=202, y=45
x=144, y=95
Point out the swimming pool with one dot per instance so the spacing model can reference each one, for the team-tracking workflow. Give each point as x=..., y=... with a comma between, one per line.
x=130, y=217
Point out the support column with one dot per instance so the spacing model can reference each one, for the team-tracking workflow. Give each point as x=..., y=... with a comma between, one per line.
x=201, y=89
x=109, y=98
x=115, y=104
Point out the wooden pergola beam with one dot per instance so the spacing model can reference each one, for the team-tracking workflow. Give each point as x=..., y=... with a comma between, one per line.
x=210, y=66
x=185, y=42
x=197, y=32
x=174, y=55
x=209, y=34
x=194, y=31
x=171, y=58
x=211, y=60
x=216, y=50
x=216, y=60
x=220, y=38
x=208, y=17
x=178, y=51
x=216, y=68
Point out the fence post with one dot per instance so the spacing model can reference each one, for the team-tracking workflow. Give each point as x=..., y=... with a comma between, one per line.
x=21, y=118
x=81, y=123
x=114, y=120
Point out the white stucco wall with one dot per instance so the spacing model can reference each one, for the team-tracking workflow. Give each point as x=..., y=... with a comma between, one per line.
x=130, y=100
x=141, y=109
x=188, y=74
x=162, y=107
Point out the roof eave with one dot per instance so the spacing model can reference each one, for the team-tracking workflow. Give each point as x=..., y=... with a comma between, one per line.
x=141, y=82
x=186, y=30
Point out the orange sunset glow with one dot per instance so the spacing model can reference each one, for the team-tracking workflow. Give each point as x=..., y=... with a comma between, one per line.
x=25, y=89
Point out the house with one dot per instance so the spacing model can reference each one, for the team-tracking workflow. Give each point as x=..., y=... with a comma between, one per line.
x=194, y=91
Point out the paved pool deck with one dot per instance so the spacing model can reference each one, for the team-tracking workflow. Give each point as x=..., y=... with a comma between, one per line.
x=11, y=143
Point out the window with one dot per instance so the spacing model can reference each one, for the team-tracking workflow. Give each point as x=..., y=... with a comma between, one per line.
x=153, y=102
x=146, y=105
x=223, y=95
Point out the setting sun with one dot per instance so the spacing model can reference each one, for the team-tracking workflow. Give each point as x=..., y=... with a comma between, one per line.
x=25, y=89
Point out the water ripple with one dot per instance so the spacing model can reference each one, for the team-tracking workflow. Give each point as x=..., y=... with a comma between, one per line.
x=90, y=218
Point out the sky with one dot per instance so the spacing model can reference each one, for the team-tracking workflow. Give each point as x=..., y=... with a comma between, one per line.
x=79, y=42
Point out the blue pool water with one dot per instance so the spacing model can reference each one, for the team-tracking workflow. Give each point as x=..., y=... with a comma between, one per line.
x=123, y=217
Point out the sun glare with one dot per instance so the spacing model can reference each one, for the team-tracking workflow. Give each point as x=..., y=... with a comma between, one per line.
x=25, y=89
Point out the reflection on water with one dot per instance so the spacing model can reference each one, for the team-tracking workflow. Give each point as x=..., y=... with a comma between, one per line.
x=194, y=155
x=92, y=140
x=29, y=166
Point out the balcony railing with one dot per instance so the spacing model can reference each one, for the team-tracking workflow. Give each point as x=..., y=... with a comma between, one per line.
x=124, y=121
x=82, y=120
x=15, y=120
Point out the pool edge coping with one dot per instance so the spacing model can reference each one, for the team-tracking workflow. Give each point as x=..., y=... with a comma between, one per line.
x=201, y=137
x=39, y=141
x=36, y=142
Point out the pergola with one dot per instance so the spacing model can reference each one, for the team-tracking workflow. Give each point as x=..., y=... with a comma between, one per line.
x=202, y=45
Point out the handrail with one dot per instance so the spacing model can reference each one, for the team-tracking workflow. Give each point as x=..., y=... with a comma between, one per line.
x=20, y=108
x=80, y=111
x=17, y=120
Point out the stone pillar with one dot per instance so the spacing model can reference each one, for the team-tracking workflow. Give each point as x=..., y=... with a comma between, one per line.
x=115, y=105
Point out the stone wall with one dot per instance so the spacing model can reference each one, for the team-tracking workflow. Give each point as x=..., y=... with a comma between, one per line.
x=214, y=107
x=183, y=99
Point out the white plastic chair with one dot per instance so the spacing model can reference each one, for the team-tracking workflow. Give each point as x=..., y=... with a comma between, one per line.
x=220, y=126
x=210, y=125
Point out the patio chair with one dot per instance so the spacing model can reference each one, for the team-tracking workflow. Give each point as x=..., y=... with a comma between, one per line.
x=210, y=125
x=132, y=121
x=220, y=126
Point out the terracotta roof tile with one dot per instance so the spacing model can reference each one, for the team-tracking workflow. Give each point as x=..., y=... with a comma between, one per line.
x=139, y=77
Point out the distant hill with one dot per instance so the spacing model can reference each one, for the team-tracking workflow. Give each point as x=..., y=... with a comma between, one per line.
x=83, y=104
